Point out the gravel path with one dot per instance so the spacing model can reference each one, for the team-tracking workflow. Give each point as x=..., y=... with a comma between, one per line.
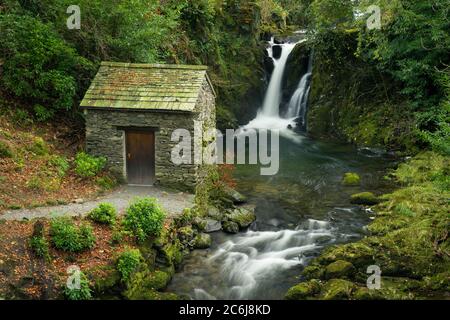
x=173, y=203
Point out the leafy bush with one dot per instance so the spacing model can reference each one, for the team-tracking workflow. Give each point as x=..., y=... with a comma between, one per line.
x=42, y=114
x=87, y=166
x=66, y=236
x=105, y=213
x=40, y=247
x=128, y=262
x=5, y=150
x=60, y=164
x=144, y=218
x=82, y=293
x=39, y=65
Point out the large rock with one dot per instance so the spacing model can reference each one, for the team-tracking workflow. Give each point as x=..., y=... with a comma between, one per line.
x=212, y=226
x=234, y=196
x=276, y=51
x=303, y=290
x=339, y=269
x=364, y=198
x=351, y=179
x=242, y=216
x=230, y=227
x=214, y=213
x=202, y=241
x=337, y=289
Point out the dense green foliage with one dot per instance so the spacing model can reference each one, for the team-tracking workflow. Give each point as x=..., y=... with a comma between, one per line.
x=87, y=166
x=66, y=236
x=398, y=94
x=144, y=218
x=128, y=262
x=51, y=66
x=40, y=247
x=105, y=213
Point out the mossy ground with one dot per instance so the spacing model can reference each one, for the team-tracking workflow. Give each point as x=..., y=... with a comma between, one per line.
x=36, y=162
x=409, y=241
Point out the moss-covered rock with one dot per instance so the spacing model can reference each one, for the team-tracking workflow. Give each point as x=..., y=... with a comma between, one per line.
x=339, y=269
x=351, y=179
x=144, y=285
x=230, y=227
x=336, y=289
x=107, y=281
x=202, y=241
x=185, y=234
x=171, y=254
x=233, y=195
x=364, y=198
x=303, y=290
x=215, y=213
x=242, y=216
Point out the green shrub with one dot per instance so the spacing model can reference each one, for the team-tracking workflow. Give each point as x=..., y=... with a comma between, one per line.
x=39, y=65
x=40, y=247
x=128, y=262
x=104, y=213
x=38, y=147
x=144, y=218
x=42, y=114
x=66, y=236
x=82, y=293
x=5, y=150
x=60, y=164
x=87, y=166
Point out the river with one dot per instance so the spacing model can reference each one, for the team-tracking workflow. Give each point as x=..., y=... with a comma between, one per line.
x=300, y=211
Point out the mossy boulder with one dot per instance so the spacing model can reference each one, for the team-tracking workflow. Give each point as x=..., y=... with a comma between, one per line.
x=170, y=254
x=242, y=216
x=232, y=195
x=230, y=227
x=199, y=223
x=337, y=289
x=215, y=213
x=313, y=271
x=144, y=285
x=363, y=293
x=339, y=269
x=364, y=198
x=351, y=179
x=202, y=241
x=185, y=234
x=358, y=253
x=303, y=290
x=107, y=281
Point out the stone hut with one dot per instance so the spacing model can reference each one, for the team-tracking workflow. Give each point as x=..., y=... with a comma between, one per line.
x=131, y=112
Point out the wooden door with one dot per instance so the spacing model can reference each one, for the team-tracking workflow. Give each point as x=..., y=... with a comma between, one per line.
x=140, y=157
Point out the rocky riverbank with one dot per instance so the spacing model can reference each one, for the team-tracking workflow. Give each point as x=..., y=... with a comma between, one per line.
x=408, y=241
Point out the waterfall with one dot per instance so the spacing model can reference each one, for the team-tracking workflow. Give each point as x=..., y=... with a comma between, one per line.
x=273, y=95
x=299, y=101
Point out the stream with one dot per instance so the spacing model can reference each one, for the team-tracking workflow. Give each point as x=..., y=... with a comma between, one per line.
x=300, y=211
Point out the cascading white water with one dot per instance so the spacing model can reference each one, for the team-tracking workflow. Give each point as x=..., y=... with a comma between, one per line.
x=256, y=256
x=272, y=99
x=299, y=101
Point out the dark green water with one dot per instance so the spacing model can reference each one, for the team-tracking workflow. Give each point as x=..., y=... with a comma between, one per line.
x=301, y=210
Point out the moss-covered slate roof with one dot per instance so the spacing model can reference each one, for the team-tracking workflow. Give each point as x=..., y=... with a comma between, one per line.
x=145, y=86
